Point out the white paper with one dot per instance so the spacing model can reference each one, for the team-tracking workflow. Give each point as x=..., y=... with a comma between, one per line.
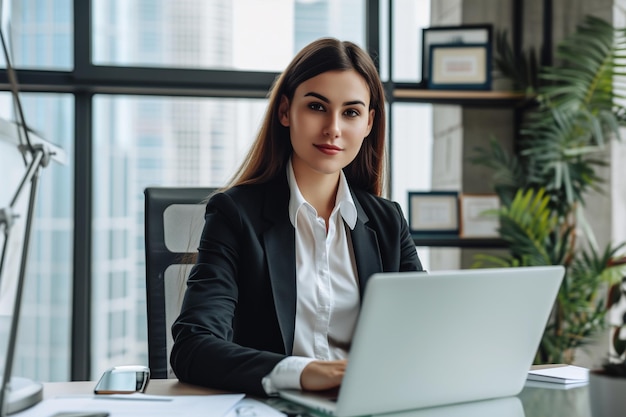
x=249, y=407
x=551, y=385
x=560, y=374
x=137, y=405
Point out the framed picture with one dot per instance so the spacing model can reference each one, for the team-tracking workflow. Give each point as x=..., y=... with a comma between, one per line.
x=434, y=212
x=479, y=216
x=460, y=67
x=447, y=35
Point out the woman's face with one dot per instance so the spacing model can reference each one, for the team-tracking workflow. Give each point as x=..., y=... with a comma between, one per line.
x=328, y=119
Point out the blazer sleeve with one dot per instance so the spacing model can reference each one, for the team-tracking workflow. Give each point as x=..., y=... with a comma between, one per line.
x=204, y=352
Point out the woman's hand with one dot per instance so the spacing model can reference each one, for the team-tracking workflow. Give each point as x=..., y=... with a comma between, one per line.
x=323, y=375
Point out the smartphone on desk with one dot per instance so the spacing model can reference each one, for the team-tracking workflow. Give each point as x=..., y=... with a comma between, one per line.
x=125, y=379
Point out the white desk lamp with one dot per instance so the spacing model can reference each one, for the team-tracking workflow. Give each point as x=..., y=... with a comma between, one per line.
x=22, y=153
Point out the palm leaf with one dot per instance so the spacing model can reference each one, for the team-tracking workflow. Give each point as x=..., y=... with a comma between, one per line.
x=521, y=68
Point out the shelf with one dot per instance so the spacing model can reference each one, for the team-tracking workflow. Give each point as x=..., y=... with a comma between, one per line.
x=464, y=97
x=454, y=241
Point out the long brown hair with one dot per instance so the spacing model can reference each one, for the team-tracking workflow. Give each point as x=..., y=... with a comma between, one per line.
x=271, y=150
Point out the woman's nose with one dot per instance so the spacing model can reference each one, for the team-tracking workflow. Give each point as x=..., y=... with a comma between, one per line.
x=333, y=127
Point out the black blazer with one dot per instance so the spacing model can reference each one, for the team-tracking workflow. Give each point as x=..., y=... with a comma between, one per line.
x=238, y=315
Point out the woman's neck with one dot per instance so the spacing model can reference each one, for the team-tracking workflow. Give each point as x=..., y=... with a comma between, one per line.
x=320, y=191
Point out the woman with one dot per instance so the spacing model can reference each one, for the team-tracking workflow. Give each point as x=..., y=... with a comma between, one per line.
x=287, y=248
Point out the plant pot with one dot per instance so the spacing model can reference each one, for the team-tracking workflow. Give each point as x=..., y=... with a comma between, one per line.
x=606, y=394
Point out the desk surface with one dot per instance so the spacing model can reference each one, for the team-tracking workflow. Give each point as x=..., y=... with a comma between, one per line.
x=548, y=402
x=155, y=387
x=537, y=402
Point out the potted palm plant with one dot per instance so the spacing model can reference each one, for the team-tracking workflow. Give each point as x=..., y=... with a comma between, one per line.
x=542, y=185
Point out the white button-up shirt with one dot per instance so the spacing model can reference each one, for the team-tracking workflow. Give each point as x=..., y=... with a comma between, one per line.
x=327, y=289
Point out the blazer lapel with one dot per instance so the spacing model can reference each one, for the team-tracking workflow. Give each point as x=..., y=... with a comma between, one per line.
x=280, y=254
x=365, y=246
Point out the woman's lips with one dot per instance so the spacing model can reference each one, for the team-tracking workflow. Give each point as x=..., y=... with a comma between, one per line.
x=328, y=149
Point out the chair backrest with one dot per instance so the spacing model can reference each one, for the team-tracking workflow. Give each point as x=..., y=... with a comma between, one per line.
x=174, y=218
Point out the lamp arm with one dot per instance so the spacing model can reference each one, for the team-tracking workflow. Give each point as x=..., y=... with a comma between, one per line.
x=32, y=175
x=7, y=217
x=41, y=156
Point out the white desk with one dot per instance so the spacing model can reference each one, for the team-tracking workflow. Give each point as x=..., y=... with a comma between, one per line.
x=536, y=402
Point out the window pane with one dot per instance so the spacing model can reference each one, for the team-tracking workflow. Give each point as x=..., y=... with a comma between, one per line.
x=41, y=33
x=411, y=158
x=412, y=149
x=409, y=17
x=218, y=34
x=43, y=348
x=141, y=142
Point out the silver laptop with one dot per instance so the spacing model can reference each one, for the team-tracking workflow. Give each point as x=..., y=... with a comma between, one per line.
x=446, y=337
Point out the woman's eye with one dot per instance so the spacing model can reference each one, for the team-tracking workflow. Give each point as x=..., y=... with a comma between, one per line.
x=316, y=107
x=352, y=113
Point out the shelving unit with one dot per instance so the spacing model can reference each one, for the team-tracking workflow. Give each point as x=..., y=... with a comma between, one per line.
x=475, y=98
x=462, y=97
x=454, y=241
x=412, y=92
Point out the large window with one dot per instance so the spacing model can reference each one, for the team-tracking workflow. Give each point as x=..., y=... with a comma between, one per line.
x=218, y=34
x=141, y=142
x=39, y=34
x=162, y=93
x=43, y=350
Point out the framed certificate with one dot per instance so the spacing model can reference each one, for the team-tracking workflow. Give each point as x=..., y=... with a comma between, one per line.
x=460, y=67
x=479, y=215
x=451, y=35
x=434, y=212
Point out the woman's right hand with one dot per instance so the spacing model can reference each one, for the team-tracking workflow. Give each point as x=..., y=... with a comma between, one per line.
x=323, y=375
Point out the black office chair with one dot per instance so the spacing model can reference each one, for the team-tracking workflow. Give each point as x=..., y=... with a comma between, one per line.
x=174, y=218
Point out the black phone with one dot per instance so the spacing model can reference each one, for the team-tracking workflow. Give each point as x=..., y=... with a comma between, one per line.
x=125, y=379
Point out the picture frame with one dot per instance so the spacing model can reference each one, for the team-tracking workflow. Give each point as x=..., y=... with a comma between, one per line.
x=476, y=220
x=434, y=212
x=460, y=67
x=452, y=35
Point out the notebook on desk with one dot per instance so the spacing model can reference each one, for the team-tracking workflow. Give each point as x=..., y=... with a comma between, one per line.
x=446, y=337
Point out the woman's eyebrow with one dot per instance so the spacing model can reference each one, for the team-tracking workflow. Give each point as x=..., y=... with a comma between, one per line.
x=326, y=100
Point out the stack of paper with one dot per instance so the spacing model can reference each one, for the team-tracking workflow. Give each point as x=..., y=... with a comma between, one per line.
x=560, y=374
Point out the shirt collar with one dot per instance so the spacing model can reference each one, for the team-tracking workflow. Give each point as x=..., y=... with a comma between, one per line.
x=344, y=200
